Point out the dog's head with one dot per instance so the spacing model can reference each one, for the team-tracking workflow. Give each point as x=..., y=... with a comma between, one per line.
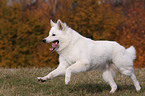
x=57, y=34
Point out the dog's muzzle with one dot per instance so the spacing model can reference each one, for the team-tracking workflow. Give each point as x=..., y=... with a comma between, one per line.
x=44, y=40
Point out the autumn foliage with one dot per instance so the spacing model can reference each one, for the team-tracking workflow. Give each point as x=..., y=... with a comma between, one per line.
x=24, y=24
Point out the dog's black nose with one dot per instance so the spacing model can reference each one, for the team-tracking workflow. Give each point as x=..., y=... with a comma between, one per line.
x=44, y=40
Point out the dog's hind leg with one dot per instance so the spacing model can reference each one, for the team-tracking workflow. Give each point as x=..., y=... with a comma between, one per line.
x=135, y=82
x=108, y=77
x=125, y=65
x=129, y=72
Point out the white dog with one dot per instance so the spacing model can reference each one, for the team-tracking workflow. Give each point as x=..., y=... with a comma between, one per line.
x=81, y=54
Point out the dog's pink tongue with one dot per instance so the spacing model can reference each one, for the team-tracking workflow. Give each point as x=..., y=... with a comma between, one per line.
x=54, y=45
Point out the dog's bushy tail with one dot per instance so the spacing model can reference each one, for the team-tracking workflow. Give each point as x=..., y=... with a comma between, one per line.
x=132, y=52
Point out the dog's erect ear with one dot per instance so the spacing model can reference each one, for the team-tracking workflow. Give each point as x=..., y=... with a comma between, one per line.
x=52, y=23
x=60, y=25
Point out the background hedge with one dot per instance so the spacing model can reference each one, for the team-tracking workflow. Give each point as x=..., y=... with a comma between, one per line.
x=23, y=25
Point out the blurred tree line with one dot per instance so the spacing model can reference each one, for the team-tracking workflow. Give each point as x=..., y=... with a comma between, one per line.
x=24, y=24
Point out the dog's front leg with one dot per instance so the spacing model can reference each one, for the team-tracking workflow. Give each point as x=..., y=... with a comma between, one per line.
x=79, y=66
x=60, y=70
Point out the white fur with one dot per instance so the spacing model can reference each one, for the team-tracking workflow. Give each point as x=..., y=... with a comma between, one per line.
x=80, y=54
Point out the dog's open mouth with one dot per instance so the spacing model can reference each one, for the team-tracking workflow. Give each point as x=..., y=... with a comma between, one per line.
x=54, y=45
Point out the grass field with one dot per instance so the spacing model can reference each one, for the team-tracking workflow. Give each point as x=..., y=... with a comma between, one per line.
x=23, y=82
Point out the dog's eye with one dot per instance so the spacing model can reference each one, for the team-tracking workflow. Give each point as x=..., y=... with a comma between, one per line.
x=53, y=34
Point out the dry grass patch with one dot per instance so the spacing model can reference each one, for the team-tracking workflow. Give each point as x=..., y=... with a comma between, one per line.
x=23, y=82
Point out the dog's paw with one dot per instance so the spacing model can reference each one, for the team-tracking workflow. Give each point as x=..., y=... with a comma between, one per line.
x=138, y=89
x=67, y=80
x=113, y=90
x=41, y=79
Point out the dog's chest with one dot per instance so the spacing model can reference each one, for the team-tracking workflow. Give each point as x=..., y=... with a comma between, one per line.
x=69, y=58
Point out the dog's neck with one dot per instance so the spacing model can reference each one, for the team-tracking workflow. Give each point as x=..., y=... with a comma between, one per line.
x=72, y=37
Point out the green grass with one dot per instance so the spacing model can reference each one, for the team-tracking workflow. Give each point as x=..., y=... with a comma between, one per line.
x=23, y=82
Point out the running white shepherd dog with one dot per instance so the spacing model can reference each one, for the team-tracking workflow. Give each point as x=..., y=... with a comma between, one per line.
x=80, y=54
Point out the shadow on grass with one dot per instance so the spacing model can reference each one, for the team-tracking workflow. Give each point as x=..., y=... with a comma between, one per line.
x=93, y=88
